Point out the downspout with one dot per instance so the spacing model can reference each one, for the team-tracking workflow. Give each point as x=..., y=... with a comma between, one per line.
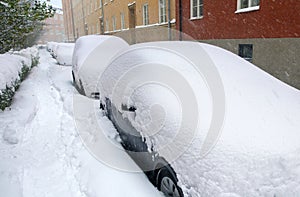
x=73, y=26
x=169, y=21
x=102, y=15
x=180, y=20
x=83, y=18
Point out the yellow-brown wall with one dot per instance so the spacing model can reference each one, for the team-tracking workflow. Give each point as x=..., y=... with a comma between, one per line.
x=87, y=14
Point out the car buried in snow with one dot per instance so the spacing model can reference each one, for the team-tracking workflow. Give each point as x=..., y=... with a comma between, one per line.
x=201, y=121
x=91, y=55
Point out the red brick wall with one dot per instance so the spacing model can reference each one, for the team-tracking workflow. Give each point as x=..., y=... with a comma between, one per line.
x=274, y=19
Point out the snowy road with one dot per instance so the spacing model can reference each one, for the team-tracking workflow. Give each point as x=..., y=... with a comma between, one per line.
x=41, y=153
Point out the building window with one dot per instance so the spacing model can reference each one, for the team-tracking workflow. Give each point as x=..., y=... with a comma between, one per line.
x=246, y=51
x=145, y=14
x=97, y=28
x=196, y=9
x=242, y=4
x=107, y=25
x=114, y=23
x=162, y=11
x=122, y=21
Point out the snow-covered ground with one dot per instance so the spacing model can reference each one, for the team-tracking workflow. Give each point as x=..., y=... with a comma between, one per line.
x=41, y=153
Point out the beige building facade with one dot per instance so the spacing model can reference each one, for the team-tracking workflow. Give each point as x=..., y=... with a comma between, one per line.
x=121, y=17
x=53, y=29
x=69, y=20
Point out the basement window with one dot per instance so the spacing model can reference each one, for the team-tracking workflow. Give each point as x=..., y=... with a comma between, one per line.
x=246, y=51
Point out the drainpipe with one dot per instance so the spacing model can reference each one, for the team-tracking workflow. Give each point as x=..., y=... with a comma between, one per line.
x=102, y=25
x=72, y=14
x=169, y=21
x=83, y=18
x=180, y=19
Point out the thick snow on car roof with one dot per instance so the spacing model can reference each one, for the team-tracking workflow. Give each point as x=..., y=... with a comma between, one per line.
x=65, y=53
x=258, y=146
x=91, y=55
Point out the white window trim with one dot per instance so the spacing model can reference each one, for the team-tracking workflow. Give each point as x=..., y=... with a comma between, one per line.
x=164, y=12
x=191, y=12
x=249, y=9
x=107, y=25
x=114, y=23
x=196, y=18
x=144, y=19
x=122, y=21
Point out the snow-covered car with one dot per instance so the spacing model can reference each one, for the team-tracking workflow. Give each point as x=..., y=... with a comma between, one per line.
x=91, y=55
x=64, y=53
x=145, y=92
x=50, y=47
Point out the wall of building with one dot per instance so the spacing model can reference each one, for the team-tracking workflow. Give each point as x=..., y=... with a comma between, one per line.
x=273, y=30
x=155, y=30
x=87, y=16
x=274, y=19
x=68, y=20
x=117, y=7
x=53, y=30
x=277, y=56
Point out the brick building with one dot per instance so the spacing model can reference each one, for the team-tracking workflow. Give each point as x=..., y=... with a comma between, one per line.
x=265, y=32
x=53, y=29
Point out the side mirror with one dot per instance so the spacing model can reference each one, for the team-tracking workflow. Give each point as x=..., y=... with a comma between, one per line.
x=126, y=108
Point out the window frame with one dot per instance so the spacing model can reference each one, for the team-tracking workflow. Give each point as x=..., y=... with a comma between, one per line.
x=162, y=10
x=114, y=23
x=249, y=8
x=107, y=25
x=200, y=4
x=242, y=51
x=146, y=14
x=122, y=20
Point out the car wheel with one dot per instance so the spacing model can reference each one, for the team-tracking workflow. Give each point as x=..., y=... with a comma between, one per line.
x=167, y=183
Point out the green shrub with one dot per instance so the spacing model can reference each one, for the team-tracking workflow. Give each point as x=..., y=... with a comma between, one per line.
x=35, y=61
x=7, y=94
x=24, y=72
x=6, y=97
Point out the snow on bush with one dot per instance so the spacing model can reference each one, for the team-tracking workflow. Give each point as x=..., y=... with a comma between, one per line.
x=14, y=67
x=258, y=150
x=91, y=56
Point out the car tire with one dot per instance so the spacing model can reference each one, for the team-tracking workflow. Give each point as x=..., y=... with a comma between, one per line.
x=167, y=183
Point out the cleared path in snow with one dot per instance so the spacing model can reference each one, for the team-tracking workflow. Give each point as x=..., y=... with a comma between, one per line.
x=40, y=151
